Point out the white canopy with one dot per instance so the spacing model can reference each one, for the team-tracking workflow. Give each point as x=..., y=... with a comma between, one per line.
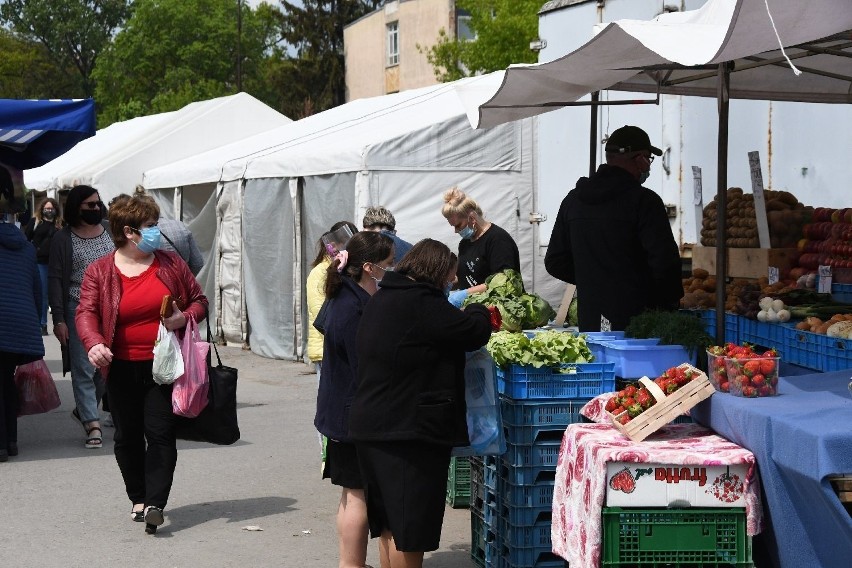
x=649, y=56
x=113, y=161
x=330, y=142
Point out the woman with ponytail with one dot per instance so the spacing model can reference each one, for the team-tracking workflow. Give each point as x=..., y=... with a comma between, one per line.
x=351, y=280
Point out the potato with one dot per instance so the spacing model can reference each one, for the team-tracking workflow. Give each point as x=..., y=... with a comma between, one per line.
x=700, y=273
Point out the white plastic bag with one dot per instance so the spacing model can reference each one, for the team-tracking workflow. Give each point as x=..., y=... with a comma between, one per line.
x=484, y=417
x=168, y=361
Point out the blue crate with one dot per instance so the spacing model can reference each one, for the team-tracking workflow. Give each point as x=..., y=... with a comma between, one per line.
x=532, y=495
x=763, y=334
x=837, y=354
x=530, y=422
x=804, y=348
x=527, y=546
x=595, y=339
x=637, y=358
x=575, y=380
x=732, y=323
x=543, y=454
x=842, y=293
x=526, y=516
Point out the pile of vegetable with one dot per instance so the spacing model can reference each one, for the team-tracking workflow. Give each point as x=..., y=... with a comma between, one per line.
x=742, y=371
x=545, y=348
x=519, y=310
x=673, y=328
x=633, y=400
x=784, y=214
x=838, y=325
x=827, y=240
x=772, y=310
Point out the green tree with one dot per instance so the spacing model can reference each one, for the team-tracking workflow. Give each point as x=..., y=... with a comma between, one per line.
x=27, y=72
x=73, y=32
x=310, y=73
x=503, y=31
x=174, y=52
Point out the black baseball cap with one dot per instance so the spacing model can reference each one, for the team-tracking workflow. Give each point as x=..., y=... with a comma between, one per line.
x=630, y=139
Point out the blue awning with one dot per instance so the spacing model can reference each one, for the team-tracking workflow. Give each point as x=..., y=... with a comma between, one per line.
x=34, y=132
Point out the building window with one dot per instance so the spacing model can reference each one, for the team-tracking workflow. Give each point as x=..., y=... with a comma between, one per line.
x=463, y=31
x=393, y=43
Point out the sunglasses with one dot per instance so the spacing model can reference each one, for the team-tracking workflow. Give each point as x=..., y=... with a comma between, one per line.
x=92, y=205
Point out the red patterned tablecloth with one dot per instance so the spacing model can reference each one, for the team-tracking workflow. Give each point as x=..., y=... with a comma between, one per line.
x=580, y=489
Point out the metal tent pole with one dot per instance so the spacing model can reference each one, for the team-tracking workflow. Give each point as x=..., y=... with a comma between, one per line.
x=724, y=74
x=593, y=134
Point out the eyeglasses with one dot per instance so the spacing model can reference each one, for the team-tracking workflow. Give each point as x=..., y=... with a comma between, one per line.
x=384, y=268
x=649, y=157
x=92, y=205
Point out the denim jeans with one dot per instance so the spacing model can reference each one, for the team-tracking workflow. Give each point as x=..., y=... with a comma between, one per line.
x=42, y=272
x=86, y=381
x=145, y=445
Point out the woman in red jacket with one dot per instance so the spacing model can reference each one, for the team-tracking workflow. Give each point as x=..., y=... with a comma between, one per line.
x=117, y=321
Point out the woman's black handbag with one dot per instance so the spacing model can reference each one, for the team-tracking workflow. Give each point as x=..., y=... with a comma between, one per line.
x=322, y=315
x=217, y=423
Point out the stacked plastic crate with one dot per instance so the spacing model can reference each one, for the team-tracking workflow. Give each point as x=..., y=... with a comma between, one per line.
x=511, y=495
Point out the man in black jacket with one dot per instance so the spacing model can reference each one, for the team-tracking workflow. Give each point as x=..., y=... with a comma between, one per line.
x=612, y=238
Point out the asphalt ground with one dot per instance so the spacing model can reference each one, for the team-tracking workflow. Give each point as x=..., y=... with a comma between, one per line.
x=62, y=505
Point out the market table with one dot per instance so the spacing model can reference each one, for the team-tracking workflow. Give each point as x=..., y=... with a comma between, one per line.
x=580, y=488
x=800, y=439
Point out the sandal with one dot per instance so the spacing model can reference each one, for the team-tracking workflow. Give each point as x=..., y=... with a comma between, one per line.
x=137, y=516
x=94, y=442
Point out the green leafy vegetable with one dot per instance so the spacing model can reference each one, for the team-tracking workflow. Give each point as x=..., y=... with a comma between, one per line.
x=546, y=348
x=673, y=328
x=505, y=291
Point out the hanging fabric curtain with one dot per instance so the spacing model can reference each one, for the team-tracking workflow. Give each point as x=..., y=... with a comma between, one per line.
x=33, y=132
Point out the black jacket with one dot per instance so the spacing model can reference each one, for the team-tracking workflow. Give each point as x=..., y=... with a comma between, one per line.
x=40, y=235
x=340, y=361
x=612, y=239
x=411, y=356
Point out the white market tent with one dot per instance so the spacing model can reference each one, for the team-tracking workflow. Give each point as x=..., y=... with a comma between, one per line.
x=113, y=161
x=278, y=192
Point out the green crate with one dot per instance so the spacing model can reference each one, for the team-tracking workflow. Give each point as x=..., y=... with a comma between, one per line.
x=458, y=483
x=706, y=538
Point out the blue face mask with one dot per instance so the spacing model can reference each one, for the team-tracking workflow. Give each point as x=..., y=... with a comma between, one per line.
x=467, y=232
x=150, y=239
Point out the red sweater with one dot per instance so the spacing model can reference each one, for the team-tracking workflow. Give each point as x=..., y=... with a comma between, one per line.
x=101, y=291
x=138, y=315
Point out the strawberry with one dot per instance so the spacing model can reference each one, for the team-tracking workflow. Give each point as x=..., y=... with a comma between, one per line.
x=758, y=380
x=749, y=391
x=624, y=419
x=724, y=387
x=630, y=390
x=764, y=390
x=634, y=410
x=770, y=353
x=618, y=410
x=644, y=398
x=611, y=404
x=767, y=366
x=629, y=401
x=751, y=367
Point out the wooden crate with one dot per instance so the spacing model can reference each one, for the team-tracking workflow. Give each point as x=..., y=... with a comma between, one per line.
x=746, y=262
x=667, y=408
x=843, y=487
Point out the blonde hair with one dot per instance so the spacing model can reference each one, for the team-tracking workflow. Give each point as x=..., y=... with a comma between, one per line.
x=456, y=202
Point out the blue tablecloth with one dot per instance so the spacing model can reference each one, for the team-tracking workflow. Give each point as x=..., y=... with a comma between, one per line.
x=800, y=438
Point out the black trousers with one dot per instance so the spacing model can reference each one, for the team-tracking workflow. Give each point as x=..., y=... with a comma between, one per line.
x=145, y=446
x=8, y=400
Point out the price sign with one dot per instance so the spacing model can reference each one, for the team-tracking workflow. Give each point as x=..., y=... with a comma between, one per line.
x=824, y=280
x=759, y=203
x=698, y=201
x=773, y=274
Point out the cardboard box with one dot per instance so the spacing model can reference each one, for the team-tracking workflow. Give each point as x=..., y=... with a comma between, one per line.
x=632, y=484
x=746, y=262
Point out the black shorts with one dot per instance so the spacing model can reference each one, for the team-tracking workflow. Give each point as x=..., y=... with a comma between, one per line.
x=341, y=465
x=405, y=484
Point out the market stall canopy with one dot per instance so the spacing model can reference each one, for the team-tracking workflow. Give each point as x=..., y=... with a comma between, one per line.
x=34, y=132
x=115, y=160
x=678, y=52
x=345, y=138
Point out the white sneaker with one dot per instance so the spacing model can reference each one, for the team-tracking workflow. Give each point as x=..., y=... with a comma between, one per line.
x=107, y=420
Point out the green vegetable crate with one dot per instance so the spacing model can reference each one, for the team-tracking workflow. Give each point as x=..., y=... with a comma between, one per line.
x=458, y=483
x=709, y=538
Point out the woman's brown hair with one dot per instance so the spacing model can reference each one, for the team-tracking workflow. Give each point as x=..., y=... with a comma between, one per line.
x=428, y=261
x=131, y=212
x=363, y=247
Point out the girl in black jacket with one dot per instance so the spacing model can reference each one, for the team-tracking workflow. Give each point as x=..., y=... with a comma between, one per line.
x=409, y=410
x=352, y=278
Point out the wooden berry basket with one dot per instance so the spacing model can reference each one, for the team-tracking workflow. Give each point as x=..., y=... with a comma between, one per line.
x=666, y=408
